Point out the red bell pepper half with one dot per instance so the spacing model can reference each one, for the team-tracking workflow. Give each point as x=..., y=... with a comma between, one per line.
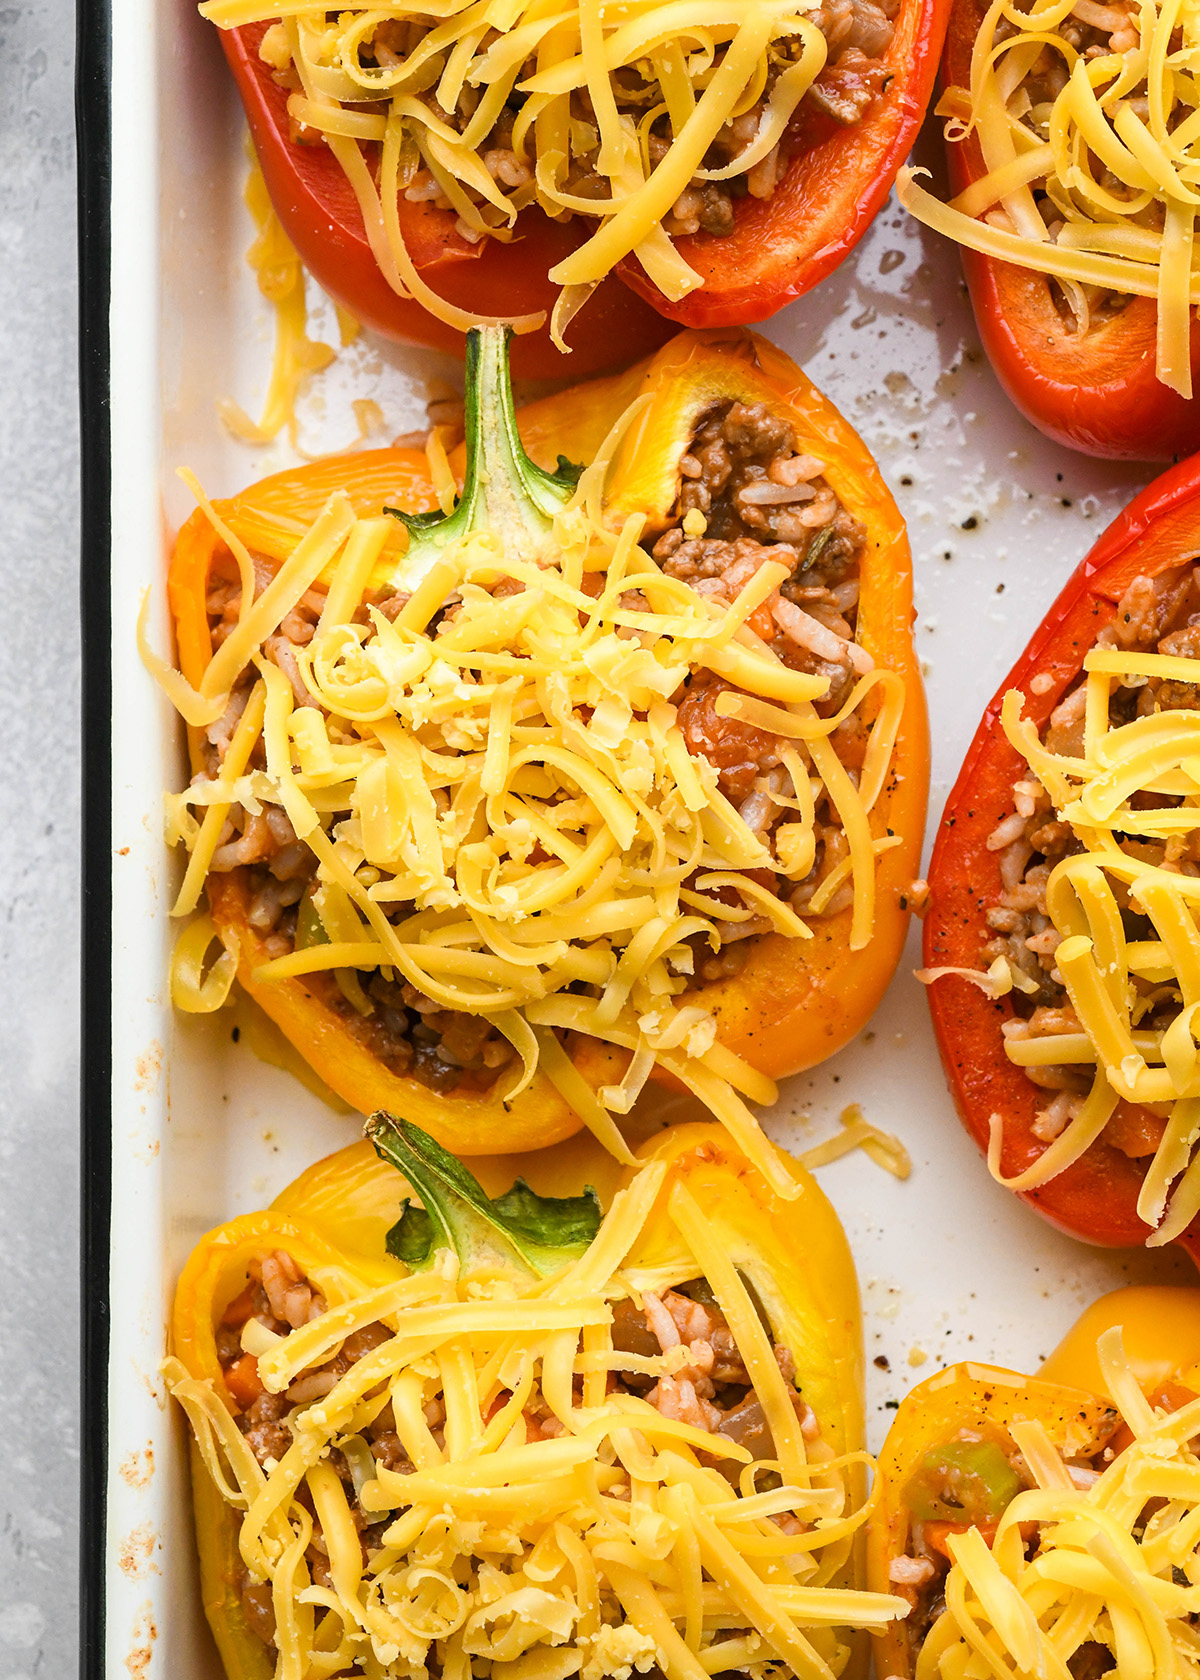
x=1096, y=1197
x=779, y=249
x=320, y=215
x=1097, y=392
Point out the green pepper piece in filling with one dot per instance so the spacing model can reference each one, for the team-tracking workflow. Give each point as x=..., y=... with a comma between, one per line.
x=310, y=929
x=962, y=1481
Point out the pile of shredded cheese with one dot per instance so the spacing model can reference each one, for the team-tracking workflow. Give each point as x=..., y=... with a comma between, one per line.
x=1115, y=1563
x=1117, y=154
x=297, y=357
x=1114, y=983
x=609, y=1547
x=884, y=1148
x=432, y=104
x=505, y=807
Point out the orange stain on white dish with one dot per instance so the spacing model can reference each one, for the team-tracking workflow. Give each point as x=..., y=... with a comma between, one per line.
x=137, y=1468
x=145, y=1633
x=135, y=1554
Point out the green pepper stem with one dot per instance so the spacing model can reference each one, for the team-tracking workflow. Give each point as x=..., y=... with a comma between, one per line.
x=504, y=492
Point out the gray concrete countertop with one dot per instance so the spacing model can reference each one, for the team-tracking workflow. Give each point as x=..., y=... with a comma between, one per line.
x=39, y=818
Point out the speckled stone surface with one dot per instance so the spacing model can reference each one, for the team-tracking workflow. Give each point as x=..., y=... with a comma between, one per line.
x=39, y=814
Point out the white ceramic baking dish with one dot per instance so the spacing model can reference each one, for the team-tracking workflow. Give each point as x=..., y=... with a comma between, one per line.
x=181, y=1127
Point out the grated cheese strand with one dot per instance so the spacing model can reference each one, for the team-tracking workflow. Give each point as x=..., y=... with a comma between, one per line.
x=296, y=357
x=884, y=1148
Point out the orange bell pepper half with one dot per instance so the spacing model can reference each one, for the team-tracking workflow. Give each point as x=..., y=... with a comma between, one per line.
x=973, y=1409
x=792, y=1003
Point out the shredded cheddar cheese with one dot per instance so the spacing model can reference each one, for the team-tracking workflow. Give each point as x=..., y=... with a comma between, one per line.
x=1114, y=983
x=609, y=1537
x=884, y=1148
x=502, y=806
x=1115, y=153
x=995, y=981
x=297, y=357
x=1114, y=1563
x=425, y=87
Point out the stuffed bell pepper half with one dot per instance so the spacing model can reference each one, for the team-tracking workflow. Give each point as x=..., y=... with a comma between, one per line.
x=500, y=810
x=1050, y=1525
x=1072, y=148
x=439, y=166
x=1061, y=935
x=432, y=1429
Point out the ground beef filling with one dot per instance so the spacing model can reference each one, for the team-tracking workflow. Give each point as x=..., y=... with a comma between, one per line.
x=711, y=1392
x=762, y=499
x=858, y=34
x=1155, y=615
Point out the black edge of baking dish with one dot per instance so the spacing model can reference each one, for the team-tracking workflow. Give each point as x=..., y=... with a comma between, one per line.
x=93, y=110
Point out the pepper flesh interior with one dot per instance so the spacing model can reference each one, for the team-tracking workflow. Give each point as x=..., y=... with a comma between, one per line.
x=1114, y=152
x=515, y=778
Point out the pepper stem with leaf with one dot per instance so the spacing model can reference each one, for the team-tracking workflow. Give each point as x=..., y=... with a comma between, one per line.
x=534, y=1235
x=503, y=492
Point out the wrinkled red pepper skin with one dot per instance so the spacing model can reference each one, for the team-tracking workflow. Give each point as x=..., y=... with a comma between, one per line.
x=779, y=249
x=1099, y=393
x=838, y=178
x=321, y=217
x=1096, y=1197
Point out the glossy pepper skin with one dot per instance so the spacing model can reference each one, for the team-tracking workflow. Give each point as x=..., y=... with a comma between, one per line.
x=334, y=1221
x=787, y=1009
x=1096, y=1197
x=1097, y=393
x=321, y=217
x=1161, y=1333
x=779, y=249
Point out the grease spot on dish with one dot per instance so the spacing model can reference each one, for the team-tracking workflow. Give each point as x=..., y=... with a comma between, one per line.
x=135, y=1554
x=149, y=1068
x=145, y=1633
x=137, y=1468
